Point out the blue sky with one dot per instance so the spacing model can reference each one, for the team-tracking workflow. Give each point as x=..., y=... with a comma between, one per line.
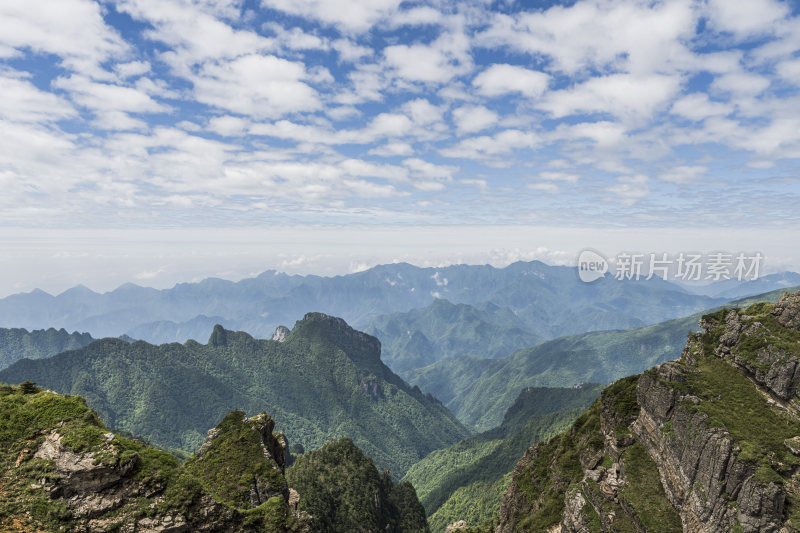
x=141, y=125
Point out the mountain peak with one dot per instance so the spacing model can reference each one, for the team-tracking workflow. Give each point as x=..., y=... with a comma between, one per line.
x=334, y=330
x=219, y=337
x=281, y=333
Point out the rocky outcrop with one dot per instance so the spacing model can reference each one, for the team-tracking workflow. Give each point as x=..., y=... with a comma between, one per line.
x=720, y=428
x=64, y=471
x=749, y=345
x=455, y=527
x=281, y=333
x=787, y=310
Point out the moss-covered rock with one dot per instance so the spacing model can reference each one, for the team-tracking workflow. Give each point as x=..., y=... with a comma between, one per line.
x=61, y=469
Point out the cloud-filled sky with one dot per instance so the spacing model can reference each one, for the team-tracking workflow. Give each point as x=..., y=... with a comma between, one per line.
x=292, y=115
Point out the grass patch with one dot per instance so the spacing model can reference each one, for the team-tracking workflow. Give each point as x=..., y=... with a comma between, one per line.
x=645, y=494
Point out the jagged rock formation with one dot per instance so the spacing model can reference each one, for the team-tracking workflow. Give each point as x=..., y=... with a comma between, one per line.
x=707, y=443
x=62, y=470
x=281, y=333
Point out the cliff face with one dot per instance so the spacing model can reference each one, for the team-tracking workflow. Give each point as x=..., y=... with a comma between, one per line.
x=62, y=470
x=707, y=443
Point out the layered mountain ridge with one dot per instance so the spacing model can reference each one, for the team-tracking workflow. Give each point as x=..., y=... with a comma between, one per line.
x=720, y=427
x=549, y=300
x=324, y=380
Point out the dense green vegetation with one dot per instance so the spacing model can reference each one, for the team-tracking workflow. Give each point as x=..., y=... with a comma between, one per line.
x=551, y=469
x=341, y=488
x=29, y=502
x=479, y=390
x=423, y=336
x=17, y=343
x=487, y=390
x=467, y=480
x=325, y=382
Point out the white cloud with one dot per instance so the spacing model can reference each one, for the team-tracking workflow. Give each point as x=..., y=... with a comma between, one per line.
x=746, y=18
x=295, y=38
x=415, y=16
x=228, y=126
x=502, y=79
x=472, y=119
x=193, y=32
x=790, y=70
x=438, y=62
x=108, y=97
x=422, y=111
x=490, y=147
x=393, y=149
x=71, y=29
x=350, y=51
x=741, y=83
x=23, y=102
x=558, y=176
x=624, y=96
x=604, y=133
x=630, y=189
x=599, y=34
x=544, y=186
x=697, y=106
x=257, y=85
x=353, y=16
x=684, y=174
x=131, y=69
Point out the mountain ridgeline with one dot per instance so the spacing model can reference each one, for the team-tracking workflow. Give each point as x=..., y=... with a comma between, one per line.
x=442, y=329
x=720, y=427
x=323, y=381
x=19, y=343
x=550, y=301
x=479, y=390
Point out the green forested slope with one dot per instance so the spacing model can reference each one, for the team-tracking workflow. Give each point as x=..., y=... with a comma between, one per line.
x=420, y=337
x=326, y=381
x=341, y=488
x=18, y=343
x=466, y=480
x=478, y=391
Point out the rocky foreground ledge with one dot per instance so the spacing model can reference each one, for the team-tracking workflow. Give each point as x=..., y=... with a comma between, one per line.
x=63, y=470
x=707, y=443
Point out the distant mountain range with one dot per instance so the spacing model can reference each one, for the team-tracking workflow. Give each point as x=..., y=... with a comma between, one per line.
x=479, y=390
x=525, y=301
x=324, y=381
x=732, y=288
